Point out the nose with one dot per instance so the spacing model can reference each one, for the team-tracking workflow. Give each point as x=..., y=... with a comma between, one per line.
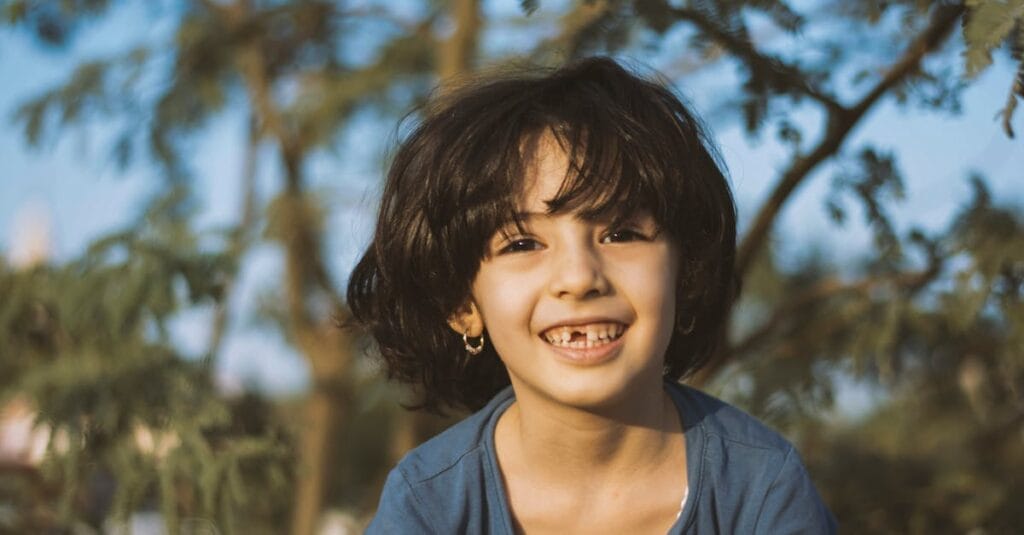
x=578, y=273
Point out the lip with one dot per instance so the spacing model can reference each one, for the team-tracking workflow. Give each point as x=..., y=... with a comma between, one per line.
x=586, y=356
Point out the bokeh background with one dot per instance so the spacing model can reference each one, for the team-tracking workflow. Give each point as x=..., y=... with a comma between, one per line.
x=185, y=185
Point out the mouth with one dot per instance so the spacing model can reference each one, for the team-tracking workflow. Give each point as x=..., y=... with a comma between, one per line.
x=583, y=336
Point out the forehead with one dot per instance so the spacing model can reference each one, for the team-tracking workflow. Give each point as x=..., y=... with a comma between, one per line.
x=545, y=170
x=563, y=171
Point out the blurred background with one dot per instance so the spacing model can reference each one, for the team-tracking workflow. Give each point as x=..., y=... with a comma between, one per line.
x=185, y=185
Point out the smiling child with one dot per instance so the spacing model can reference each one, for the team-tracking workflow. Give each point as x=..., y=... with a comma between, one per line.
x=555, y=251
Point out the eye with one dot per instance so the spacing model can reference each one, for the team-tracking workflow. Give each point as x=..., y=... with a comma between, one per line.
x=519, y=245
x=624, y=235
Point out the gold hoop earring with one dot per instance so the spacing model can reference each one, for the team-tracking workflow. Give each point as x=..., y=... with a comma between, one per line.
x=693, y=322
x=470, y=348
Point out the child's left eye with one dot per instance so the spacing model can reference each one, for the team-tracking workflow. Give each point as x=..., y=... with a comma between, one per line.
x=623, y=235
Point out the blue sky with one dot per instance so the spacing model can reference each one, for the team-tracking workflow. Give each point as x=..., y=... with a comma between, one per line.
x=83, y=194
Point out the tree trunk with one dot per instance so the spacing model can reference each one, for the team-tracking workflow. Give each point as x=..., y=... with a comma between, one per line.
x=326, y=347
x=456, y=54
x=455, y=57
x=326, y=406
x=318, y=419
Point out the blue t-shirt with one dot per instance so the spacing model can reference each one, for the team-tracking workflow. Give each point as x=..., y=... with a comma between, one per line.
x=742, y=477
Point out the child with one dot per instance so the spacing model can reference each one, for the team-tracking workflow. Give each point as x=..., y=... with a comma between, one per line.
x=556, y=252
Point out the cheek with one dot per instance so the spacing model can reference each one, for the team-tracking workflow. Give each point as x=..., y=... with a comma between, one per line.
x=502, y=301
x=654, y=287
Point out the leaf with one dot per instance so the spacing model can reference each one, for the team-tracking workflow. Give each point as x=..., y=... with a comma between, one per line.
x=33, y=115
x=84, y=91
x=874, y=181
x=790, y=134
x=655, y=13
x=755, y=106
x=124, y=148
x=836, y=211
x=989, y=23
x=15, y=11
x=1011, y=106
x=780, y=12
x=1017, y=88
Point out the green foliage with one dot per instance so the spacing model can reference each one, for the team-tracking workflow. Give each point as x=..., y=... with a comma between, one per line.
x=930, y=323
x=528, y=6
x=780, y=13
x=86, y=87
x=988, y=25
x=110, y=88
x=901, y=448
x=875, y=181
x=88, y=345
x=52, y=21
x=330, y=97
x=948, y=356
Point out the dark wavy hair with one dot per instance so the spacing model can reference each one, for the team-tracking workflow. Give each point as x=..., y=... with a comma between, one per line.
x=633, y=146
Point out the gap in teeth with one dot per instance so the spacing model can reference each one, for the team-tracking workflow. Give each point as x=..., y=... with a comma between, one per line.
x=591, y=335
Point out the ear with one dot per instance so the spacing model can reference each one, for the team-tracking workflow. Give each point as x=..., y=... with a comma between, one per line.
x=467, y=320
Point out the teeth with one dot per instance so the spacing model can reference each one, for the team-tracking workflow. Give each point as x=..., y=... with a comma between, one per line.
x=595, y=334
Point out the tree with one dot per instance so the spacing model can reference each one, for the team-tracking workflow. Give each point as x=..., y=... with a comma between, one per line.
x=225, y=48
x=931, y=319
x=88, y=343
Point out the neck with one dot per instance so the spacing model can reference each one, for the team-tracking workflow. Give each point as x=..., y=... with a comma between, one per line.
x=572, y=444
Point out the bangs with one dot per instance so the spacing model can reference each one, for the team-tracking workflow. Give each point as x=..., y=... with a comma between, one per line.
x=632, y=147
x=604, y=181
x=618, y=165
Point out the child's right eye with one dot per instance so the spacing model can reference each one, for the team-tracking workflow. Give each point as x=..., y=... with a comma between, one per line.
x=519, y=245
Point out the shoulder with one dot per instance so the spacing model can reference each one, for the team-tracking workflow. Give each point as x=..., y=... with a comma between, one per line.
x=725, y=422
x=449, y=449
x=737, y=454
x=749, y=478
x=447, y=483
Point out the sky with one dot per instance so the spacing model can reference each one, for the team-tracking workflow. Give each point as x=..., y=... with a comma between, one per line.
x=72, y=187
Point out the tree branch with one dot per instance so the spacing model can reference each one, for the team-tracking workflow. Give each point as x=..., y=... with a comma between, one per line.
x=782, y=75
x=212, y=6
x=327, y=349
x=574, y=24
x=272, y=122
x=409, y=26
x=456, y=54
x=841, y=121
x=912, y=282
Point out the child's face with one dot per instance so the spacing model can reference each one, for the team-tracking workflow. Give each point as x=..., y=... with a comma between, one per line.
x=581, y=313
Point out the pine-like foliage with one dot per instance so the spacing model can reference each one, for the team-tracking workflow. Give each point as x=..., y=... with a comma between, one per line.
x=930, y=324
x=940, y=347
x=130, y=421
x=989, y=25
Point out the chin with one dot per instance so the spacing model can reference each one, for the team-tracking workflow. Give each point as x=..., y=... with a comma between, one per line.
x=584, y=394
